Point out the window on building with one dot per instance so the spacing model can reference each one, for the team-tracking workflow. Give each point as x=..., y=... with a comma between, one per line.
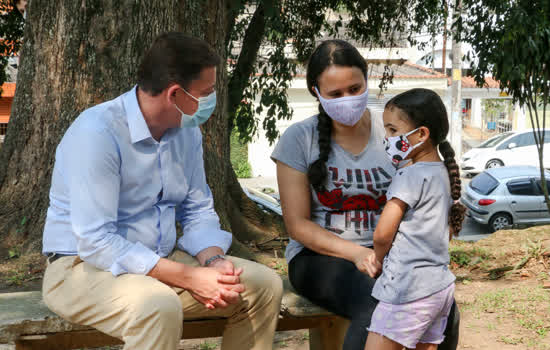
x=3, y=128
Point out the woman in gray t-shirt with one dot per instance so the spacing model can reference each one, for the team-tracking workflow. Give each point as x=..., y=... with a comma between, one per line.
x=333, y=175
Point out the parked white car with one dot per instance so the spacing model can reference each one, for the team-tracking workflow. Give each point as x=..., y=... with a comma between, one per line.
x=510, y=148
x=266, y=202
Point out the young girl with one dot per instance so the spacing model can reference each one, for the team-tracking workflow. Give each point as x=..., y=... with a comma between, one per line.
x=415, y=290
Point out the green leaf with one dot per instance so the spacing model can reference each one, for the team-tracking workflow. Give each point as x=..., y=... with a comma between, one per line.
x=13, y=253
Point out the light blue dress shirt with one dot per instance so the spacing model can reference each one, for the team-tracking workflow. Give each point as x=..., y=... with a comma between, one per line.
x=116, y=192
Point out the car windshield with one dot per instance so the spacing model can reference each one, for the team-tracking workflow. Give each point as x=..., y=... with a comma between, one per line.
x=483, y=183
x=493, y=141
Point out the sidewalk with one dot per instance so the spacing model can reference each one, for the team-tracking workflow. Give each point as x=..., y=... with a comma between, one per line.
x=472, y=238
x=260, y=183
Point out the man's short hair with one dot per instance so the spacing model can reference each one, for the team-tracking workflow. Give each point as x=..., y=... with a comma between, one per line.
x=174, y=58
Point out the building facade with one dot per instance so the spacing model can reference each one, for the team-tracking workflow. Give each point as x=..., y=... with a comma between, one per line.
x=6, y=101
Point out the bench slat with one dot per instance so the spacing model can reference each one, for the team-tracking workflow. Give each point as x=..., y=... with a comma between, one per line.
x=191, y=329
x=25, y=314
x=68, y=340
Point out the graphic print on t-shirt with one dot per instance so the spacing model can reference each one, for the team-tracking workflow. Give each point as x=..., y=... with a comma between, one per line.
x=355, y=203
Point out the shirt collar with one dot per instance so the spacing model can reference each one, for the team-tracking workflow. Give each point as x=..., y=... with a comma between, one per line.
x=136, y=122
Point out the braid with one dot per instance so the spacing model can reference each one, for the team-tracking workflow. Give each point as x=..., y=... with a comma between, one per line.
x=457, y=212
x=317, y=172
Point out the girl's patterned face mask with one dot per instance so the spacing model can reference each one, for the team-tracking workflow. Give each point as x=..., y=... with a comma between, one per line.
x=398, y=148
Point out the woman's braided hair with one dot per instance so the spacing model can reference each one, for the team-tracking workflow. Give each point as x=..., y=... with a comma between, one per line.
x=424, y=107
x=328, y=53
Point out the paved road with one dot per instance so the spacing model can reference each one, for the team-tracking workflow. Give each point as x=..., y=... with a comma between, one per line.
x=472, y=231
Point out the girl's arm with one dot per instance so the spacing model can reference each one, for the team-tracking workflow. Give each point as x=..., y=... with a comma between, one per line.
x=387, y=227
x=295, y=197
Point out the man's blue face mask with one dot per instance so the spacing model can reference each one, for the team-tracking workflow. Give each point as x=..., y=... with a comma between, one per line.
x=207, y=105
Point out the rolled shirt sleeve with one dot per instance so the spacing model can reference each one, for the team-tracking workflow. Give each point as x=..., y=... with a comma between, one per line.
x=93, y=178
x=201, y=224
x=407, y=186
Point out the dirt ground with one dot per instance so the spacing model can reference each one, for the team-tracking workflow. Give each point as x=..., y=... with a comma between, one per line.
x=503, y=290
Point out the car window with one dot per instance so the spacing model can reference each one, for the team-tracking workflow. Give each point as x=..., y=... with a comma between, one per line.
x=539, y=186
x=516, y=139
x=483, y=183
x=522, y=187
x=547, y=137
x=493, y=141
x=526, y=139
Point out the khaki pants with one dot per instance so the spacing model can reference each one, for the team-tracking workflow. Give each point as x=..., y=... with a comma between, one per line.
x=148, y=314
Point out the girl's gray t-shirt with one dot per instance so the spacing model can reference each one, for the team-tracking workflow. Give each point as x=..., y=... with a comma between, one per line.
x=417, y=264
x=356, y=185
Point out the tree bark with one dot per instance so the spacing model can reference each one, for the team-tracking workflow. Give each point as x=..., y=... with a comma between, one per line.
x=80, y=53
x=247, y=59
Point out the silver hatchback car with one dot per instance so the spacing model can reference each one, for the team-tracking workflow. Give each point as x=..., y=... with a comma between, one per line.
x=500, y=197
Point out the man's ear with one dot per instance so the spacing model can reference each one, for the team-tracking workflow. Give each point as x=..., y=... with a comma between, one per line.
x=170, y=93
x=424, y=133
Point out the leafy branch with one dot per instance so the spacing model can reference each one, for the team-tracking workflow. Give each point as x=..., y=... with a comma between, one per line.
x=272, y=40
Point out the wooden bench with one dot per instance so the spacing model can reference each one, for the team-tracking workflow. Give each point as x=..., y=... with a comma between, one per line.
x=26, y=323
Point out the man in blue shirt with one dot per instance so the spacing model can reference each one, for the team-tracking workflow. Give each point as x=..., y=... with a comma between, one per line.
x=125, y=171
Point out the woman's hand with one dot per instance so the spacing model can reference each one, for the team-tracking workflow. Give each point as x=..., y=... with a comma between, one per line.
x=374, y=267
x=366, y=262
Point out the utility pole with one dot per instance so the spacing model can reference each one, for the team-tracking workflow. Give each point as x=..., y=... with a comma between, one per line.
x=456, y=85
x=444, y=52
x=433, y=52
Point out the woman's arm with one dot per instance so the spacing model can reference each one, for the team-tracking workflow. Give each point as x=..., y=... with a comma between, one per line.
x=295, y=197
x=387, y=227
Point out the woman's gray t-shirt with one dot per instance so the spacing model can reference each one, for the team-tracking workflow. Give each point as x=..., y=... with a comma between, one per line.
x=356, y=185
x=417, y=264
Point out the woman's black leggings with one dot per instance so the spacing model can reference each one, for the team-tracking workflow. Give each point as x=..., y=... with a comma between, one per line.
x=336, y=285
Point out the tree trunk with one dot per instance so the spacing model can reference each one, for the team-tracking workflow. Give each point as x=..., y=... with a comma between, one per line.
x=80, y=53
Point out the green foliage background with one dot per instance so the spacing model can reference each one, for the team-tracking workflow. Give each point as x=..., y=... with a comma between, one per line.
x=239, y=156
x=11, y=32
x=270, y=41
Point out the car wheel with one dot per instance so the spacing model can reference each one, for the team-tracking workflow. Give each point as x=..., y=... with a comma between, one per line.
x=494, y=163
x=500, y=221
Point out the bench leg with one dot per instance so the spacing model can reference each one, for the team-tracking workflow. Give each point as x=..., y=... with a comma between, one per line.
x=330, y=336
